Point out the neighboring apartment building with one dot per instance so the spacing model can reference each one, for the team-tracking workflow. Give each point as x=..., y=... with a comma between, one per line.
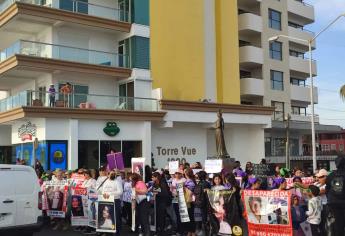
x=138, y=70
x=276, y=73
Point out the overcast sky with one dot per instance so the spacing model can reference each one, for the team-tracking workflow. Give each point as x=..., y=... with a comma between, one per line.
x=330, y=56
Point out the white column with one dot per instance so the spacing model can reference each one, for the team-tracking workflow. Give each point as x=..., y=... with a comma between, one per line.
x=73, y=145
x=146, y=143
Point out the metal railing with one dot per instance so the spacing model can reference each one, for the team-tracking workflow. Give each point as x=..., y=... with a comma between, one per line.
x=46, y=50
x=77, y=100
x=76, y=6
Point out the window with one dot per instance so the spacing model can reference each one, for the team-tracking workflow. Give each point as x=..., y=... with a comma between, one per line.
x=279, y=110
x=245, y=74
x=268, y=147
x=276, y=50
x=298, y=82
x=333, y=147
x=277, y=82
x=296, y=54
x=274, y=19
x=299, y=110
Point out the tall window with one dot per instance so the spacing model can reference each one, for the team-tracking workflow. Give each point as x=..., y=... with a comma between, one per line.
x=274, y=19
x=279, y=110
x=277, y=81
x=276, y=50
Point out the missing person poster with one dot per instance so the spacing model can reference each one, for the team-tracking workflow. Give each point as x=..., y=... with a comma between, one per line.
x=77, y=180
x=55, y=195
x=138, y=166
x=79, y=200
x=92, y=207
x=182, y=203
x=106, y=215
x=268, y=212
x=219, y=201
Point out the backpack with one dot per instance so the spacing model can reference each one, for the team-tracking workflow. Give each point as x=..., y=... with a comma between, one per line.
x=338, y=185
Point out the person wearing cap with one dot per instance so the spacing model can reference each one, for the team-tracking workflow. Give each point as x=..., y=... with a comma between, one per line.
x=321, y=177
x=51, y=92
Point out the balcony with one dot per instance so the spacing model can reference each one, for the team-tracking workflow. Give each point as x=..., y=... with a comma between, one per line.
x=251, y=57
x=301, y=11
x=252, y=87
x=302, y=94
x=299, y=67
x=37, y=99
x=249, y=24
x=301, y=34
x=42, y=57
x=304, y=118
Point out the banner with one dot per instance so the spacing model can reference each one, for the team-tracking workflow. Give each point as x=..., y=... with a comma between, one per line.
x=106, y=221
x=263, y=170
x=268, y=212
x=219, y=200
x=182, y=203
x=79, y=199
x=115, y=161
x=213, y=166
x=305, y=180
x=138, y=166
x=173, y=167
x=55, y=195
x=92, y=207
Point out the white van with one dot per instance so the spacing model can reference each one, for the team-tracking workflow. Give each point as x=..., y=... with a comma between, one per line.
x=19, y=200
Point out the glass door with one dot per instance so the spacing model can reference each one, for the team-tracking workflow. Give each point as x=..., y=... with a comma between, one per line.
x=80, y=95
x=126, y=93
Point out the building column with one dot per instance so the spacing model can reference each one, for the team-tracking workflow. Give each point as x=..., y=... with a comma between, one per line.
x=146, y=143
x=73, y=145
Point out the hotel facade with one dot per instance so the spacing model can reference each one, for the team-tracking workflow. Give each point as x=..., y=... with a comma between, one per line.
x=147, y=79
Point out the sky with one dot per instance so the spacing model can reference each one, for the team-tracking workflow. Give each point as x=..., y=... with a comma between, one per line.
x=330, y=56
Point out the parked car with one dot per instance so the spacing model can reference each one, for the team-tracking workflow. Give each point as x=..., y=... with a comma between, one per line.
x=19, y=200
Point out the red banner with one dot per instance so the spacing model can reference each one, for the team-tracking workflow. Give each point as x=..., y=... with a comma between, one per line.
x=268, y=212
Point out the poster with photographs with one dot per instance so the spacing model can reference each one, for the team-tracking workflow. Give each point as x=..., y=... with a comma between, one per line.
x=79, y=200
x=182, y=205
x=92, y=207
x=138, y=166
x=55, y=195
x=106, y=215
x=219, y=201
x=77, y=179
x=268, y=212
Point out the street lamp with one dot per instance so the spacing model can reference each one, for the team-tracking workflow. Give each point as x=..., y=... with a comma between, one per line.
x=309, y=42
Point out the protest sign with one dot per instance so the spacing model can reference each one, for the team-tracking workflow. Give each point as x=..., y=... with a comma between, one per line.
x=106, y=221
x=138, y=166
x=213, y=166
x=305, y=180
x=79, y=199
x=263, y=170
x=183, y=210
x=115, y=161
x=239, y=181
x=173, y=167
x=77, y=180
x=55, y=195
x=268, y=212
x=195, y=171
x=220, y=201
x=92, y=207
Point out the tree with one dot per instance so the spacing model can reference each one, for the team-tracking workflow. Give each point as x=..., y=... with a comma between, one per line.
x=342, y=92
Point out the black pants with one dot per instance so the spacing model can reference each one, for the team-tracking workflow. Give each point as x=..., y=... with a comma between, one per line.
x=315, y=230
x=338, y=212
x=160, y=215
x=178, y=218
x=127, y=212
x=51, y=101
x=142, y=211
x=118, y=216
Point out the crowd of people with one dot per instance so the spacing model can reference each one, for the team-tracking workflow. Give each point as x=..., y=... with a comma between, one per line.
x=322, y=204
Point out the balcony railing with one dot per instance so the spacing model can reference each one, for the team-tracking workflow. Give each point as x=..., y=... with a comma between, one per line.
x=76, y=6
x=77, y=100
x=66, y=53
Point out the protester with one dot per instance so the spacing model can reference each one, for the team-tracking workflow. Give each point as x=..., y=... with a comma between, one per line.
x=127, y=199
x=51, y=92
x=38, y=168
x=178, y=179
x=321, y=184
x=298, y=216
x=314, y=210
x=217, y=183
x=189, y=185
x=335, y=191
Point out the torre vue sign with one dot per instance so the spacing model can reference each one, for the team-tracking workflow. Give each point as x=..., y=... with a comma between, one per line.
x=181, y=151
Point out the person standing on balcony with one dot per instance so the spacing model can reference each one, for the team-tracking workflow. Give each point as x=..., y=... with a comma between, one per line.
x=52, y=92
x=66, y=90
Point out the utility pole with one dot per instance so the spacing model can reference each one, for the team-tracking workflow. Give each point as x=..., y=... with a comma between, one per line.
x=287, y=147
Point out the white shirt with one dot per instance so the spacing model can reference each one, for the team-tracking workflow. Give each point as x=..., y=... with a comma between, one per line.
x=322, y=196
x=113, y=188
x=108, y=224
x=89, y=183
x=99, y=181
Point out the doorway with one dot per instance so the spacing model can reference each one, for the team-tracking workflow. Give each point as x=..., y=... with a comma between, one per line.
x=126, y=93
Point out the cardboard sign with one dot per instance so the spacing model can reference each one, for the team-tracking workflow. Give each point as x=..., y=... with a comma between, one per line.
x=55, y=196
x=115, y=161
x=183, y=210
x=173, y=167
x=138, y=166
x=262, y=170
x=213, y=166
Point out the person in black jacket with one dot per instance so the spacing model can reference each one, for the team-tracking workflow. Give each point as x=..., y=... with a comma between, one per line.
x=163, y=199
x=201, y=197
x=335, y=190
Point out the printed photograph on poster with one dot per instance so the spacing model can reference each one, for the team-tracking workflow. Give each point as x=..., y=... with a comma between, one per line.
x=106, y=215
x=79, y=206
x=92, y=207
x=219, y=201
x=55, y=195
x=138, y=166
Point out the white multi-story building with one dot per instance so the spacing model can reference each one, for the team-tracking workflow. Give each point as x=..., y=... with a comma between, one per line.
x=275, y=73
